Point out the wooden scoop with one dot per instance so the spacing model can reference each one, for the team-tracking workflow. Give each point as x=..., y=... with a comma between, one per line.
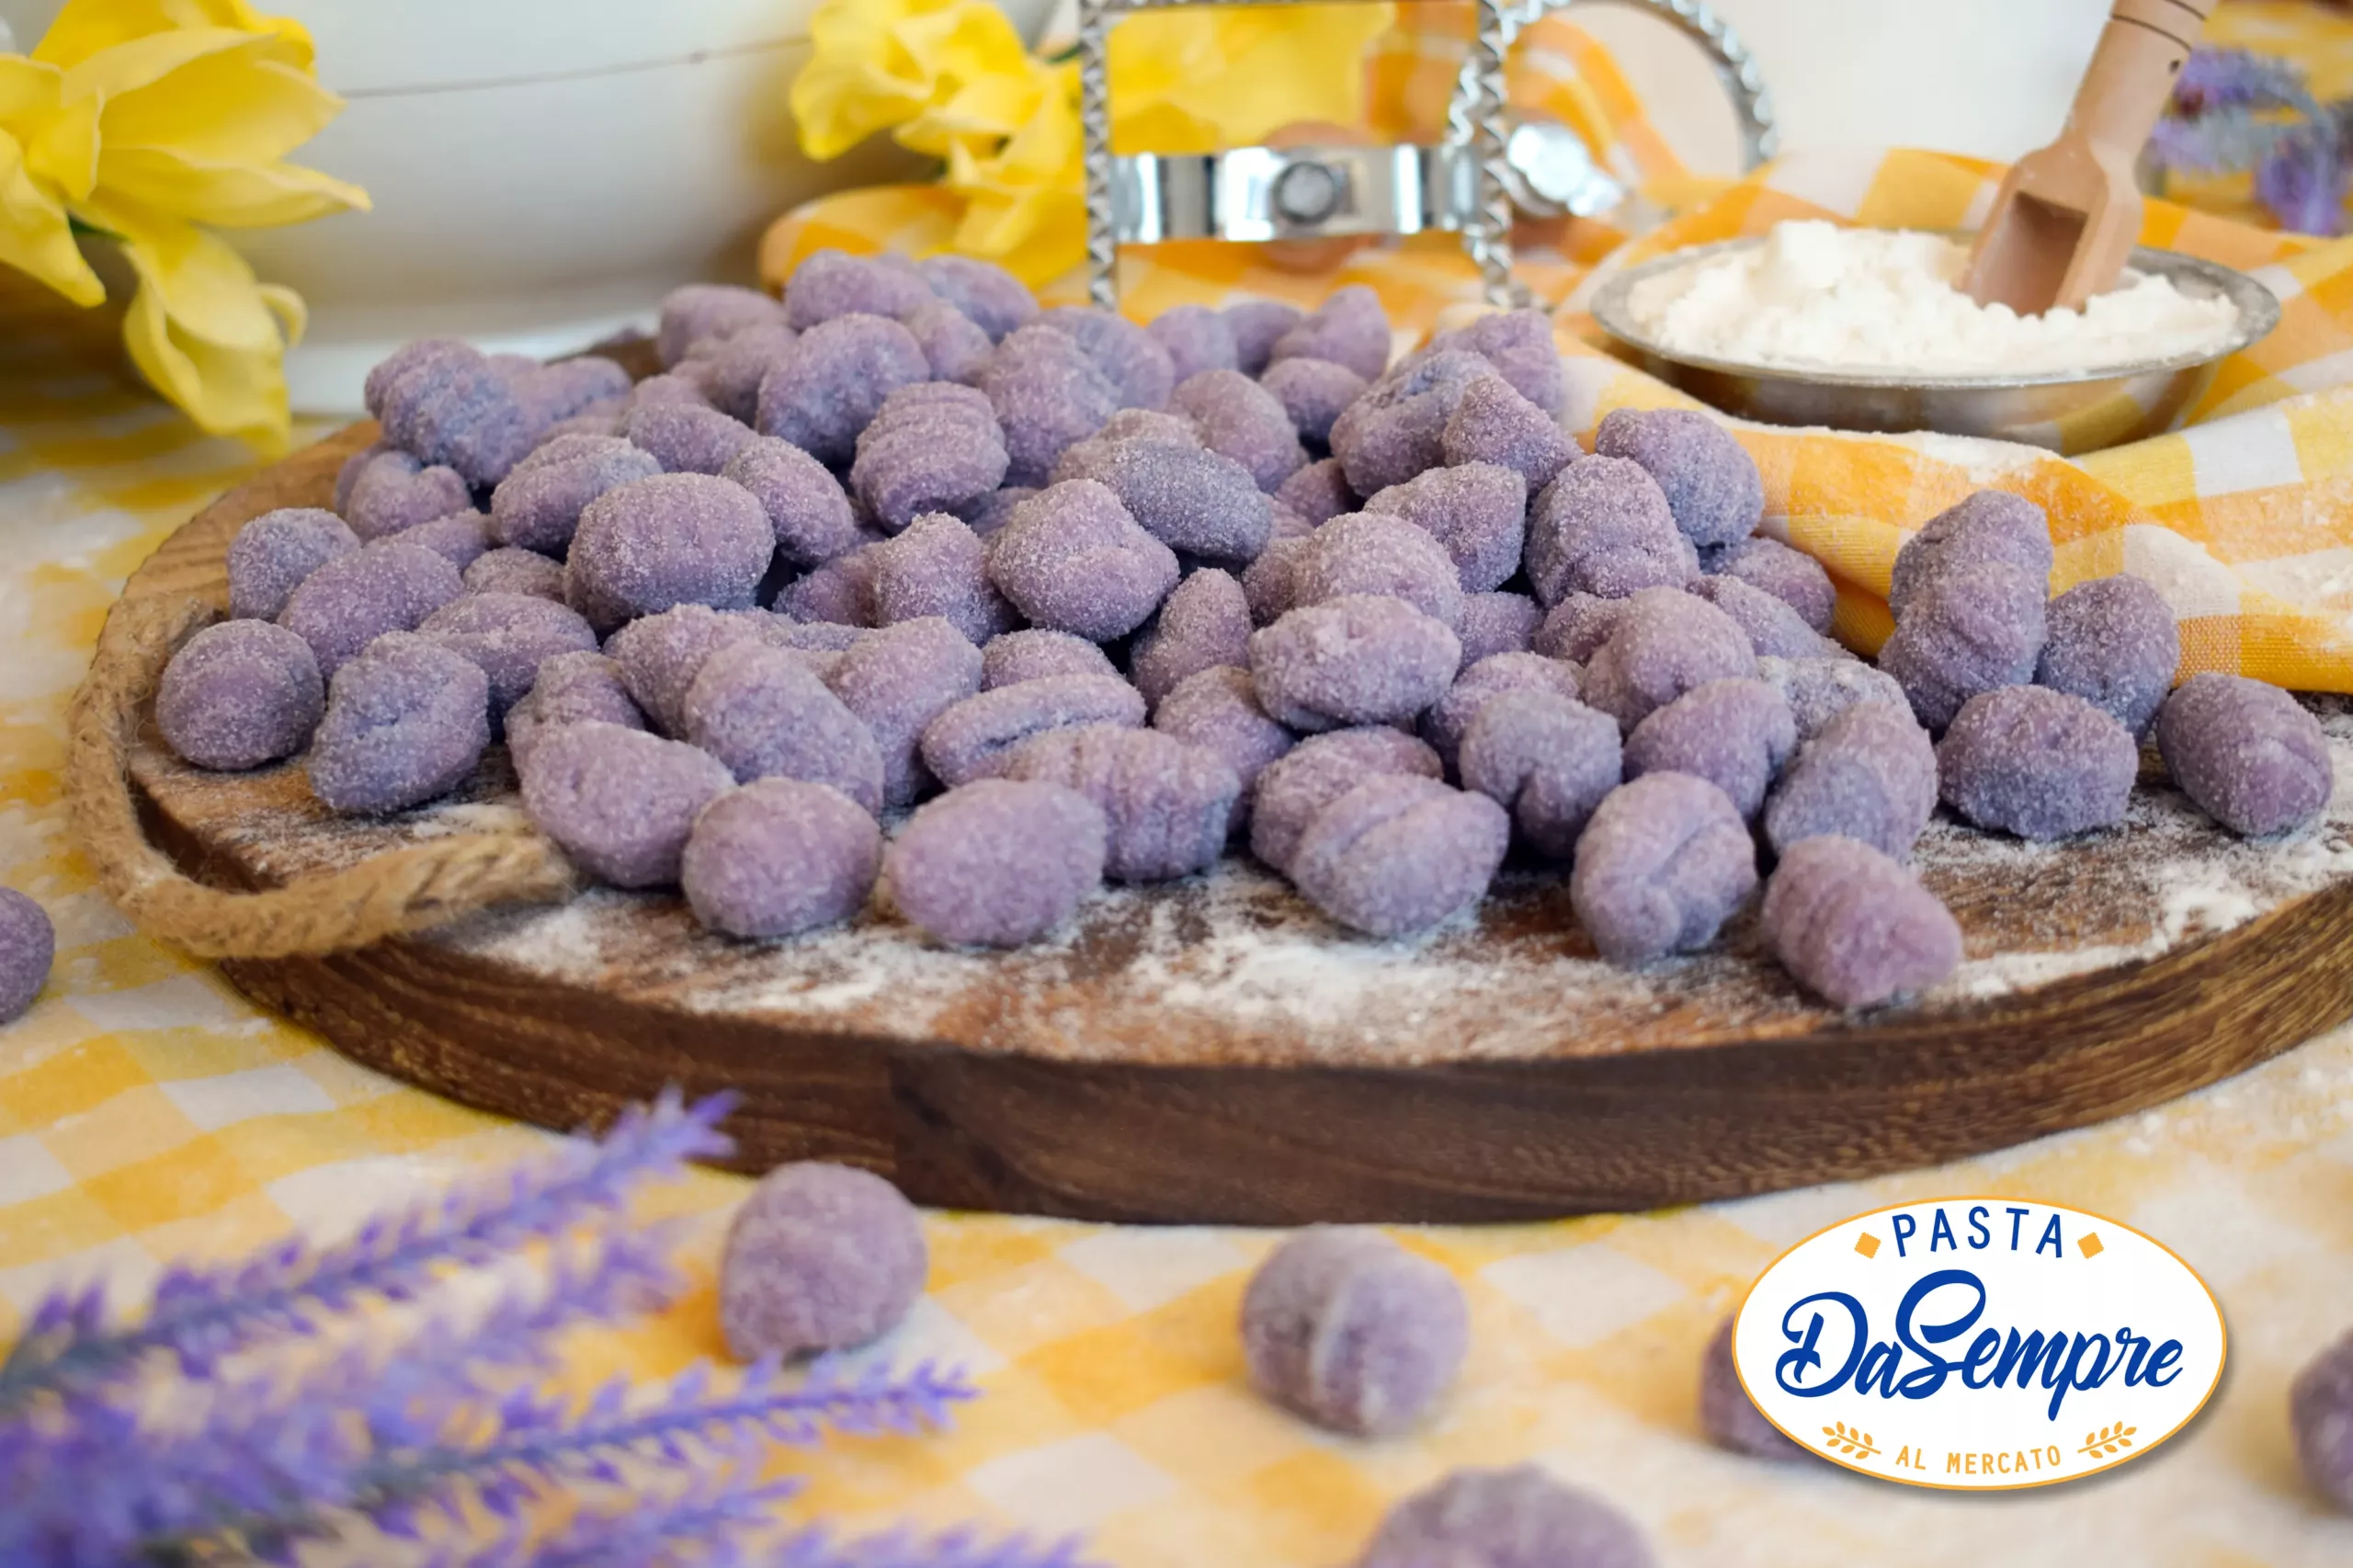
x=2067, y=217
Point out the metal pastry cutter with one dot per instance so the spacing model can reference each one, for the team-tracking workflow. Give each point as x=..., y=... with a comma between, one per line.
x=1491, y=164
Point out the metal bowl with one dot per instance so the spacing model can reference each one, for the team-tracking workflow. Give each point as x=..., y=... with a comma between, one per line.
x=2066, y=410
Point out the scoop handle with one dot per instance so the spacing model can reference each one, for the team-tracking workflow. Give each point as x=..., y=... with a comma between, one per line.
x=2130, y=76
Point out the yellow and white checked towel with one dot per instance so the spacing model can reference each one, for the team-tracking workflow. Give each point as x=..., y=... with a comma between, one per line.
x=146, y=1110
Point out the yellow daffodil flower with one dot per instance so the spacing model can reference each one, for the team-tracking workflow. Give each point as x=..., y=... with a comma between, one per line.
x=949, y=78
x=143, y=120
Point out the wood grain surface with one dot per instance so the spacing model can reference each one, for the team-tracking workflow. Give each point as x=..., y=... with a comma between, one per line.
x=1213, y=1051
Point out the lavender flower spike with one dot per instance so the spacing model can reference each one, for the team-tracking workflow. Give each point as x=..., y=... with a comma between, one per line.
x=202, y=1313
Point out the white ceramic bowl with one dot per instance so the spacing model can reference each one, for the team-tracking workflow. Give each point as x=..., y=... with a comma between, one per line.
x=544, y=171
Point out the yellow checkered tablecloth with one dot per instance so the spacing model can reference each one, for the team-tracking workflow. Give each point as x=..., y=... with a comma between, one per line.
x=147, y=1110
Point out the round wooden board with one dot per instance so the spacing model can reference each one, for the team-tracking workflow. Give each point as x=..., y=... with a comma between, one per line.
x=1215, y=1051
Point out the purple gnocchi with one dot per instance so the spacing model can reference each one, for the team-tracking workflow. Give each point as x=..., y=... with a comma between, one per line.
x=1518, y=1517
x=1819, y=689
x=1270, y=582
x=1189, y=498
x=1257, y=325
x=2248, y=754
x=997, y=863
x=272, y=554
x=1665, y=643
x=620, y=802
x=1869, y=774
x=675, y=538
x=659, y=655
x=1575, y=628
x=1444, y=724
x=569, y=389
x=989, y=296
x=1710, y=481
x=1345, y=1327
x=1493, y=424
x=1546, y=758
x=1205, y=623
x=952, y=344
x=976, y=738
x=1603, y=528
x=1238, y=418
x=933, y=446
x=1973, y=628
x=830, y=283
x=897, y=681
x=1195, y=338
x=393, y=493
x=239, y=695
x=684, y=385
x=1792, y=576
x=1131, y=359
x=570, y=689
x=1358, y=659
x=510, y=571
x=699, y=313
x=1992, y=527
x=538, y=506
x=1217, y=710
x=405, y=720
x=1737, y=734
x=1072, y=560
x=2038, y=762
x=447, y=405
x=2320, y=1417
x=1478, y=511
x=352, y=600
x=28, y=950
x=831, y=384
x=1348, y=328
x=779, y=856
x=819, y=1257
x=1294, y=791
x=1771, y=627
x=1167, y=806
x=1854, y=927
x=1397, y=429
x=2113, y=641
x=986, y=514
x=940, y=567
x=1497, y=623
x=732, y=374
x=1375, y=553
x=684, y=439
x=840, y=592
x=1317, y=492
x=1519, y=344
x=507, y=637
x=1662, y=866
x=763, y=714
x=807, y=511
x=1035, y=654
x=1048, y=395
x=1727, y=1415
x=1315, y=392
x=460, y=539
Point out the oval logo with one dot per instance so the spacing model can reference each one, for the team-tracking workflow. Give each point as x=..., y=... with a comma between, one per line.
x=1979, y=1344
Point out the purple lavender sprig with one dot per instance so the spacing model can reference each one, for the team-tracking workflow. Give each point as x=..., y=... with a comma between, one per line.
x=708, y=1523
x=959, y=1549
x=201, y=1312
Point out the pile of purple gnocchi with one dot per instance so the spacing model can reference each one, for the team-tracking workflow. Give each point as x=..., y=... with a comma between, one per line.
x=1059, y=597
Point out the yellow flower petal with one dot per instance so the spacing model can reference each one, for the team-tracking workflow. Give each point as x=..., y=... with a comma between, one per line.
x=83, y=27
x=1239, y=73
x=237, y=106
x=142, y=62
x=206, y=287
x=27, y=87
x=858, y=81
x=201, y=331
x=35, y=237
x=64, y=150
x=231, y=196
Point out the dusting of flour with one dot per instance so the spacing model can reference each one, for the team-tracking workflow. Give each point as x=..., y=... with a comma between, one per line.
x=1870, y=300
